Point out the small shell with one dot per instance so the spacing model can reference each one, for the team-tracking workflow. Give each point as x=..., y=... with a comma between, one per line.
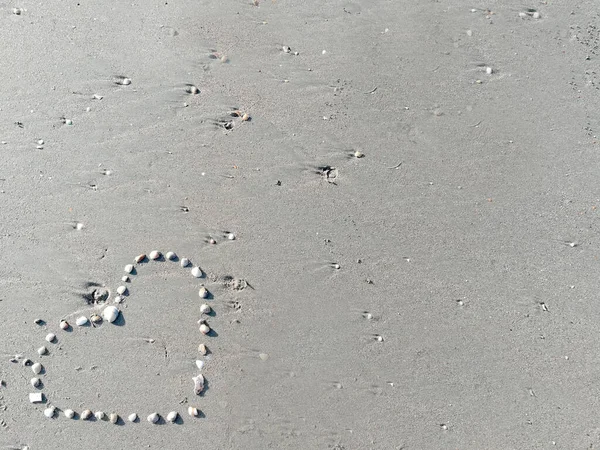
x=42, y=351
x=26, y=362
x=198, y=384
x=358, y=154
x=153, y=418
x=110, y=313
x=172, y=416
x=199, y=364
x=170, y=256
x=35, y=382
x=128, y=268
x=202, y=349
x=205, y=309
x=36, y=397
x=197, y=272
x=69, y=413
x=100, y=415
x=203, y=292
x=86, y=414
x=489, y=70
x=140, y=258
x=95, y=318
x=119, y=299
x=81, y=321
x=212, y=241
x=125, y=279
x=64, y=325
x=114, y=418
x=245, y=117
x=231, y=237
x=184, y=262
x=50, y=337
x=154, y=254
x=49, y=412
x=132, y=417
x=193, y=411
x=37, y=368
x=204, y=329
x=121, y=290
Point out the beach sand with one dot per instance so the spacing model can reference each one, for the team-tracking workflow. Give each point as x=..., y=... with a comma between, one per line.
x=435, y=290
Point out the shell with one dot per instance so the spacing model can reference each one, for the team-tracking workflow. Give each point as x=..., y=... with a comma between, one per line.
x=170, y=256
x=35, y=382
x=86, y=414
x=198, y=384
x=205, y=309
x=119, y=299
x=49, y=412
x=64, y=325
x=114, y=418
x=154, y=254
x=153, y=418
x=199, y=364
x=100, y=415
x=172, y=416
x=50, y=337
x=125, y=279
x=26, y=362
x=42, y=351
x=204, y=329
x=231, y=237
x=128, y=268
x=81, y=321
x=36, y=397
x=95, y=318
x=121, y=290
x=197, y=272
x=132, y=417
x=193, y=411
x=140, y=258
x=37, y=368
x=110, y=313
x=69, y=413
x=203, y=292
x=202, y=349
x=184, y=262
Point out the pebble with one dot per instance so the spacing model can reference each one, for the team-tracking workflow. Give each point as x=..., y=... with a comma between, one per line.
x=231, y=237
x=40, y=142
x=119, y=299
x=35, y=382
x=198, y=384
x=132, y=417
x=39, y=322
x=79, y=226
x=37, y=368
x=68, y=122
x=204, y=329
x=172, y=416
x=199, y=364
x=110, y=313
x=69, y=413
x=95, y=319
x=124, y=81
x=286, y=49
x=185, y=262
x=205, y=309
x=193, y=411
x=64, y=324
x=17, y=11
x=203, y=292
x=86, y=414
x=121, y=290
x=154, y=254
x=114, y=418
x=97, y=97
x=100, y=415
x=202, y=349
x=50, y=337
x=26, y=362
x=212, y=241
x=170, y=256
x=36, y=397
x=536, y=15
x=191, y=89
x=489, y=70
x=49, y=412
x=129, y=268
x=140, y=258
x=42, y=351
x=153, y=418
x=197, y=272
x=81, y=321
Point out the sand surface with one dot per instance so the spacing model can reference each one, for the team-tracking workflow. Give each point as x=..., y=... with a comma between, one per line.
x=439, y=292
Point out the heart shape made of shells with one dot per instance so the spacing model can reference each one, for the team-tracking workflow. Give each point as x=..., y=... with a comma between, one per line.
x=110, y=313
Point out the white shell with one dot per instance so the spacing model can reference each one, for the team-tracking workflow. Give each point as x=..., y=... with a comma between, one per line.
x=153, y=418
x=35, y=382
x=198, y=384
x=100, y=415
x=37, y=368
x=202, y=349
x=49, y=412
x=64, y=325
x=231, y=237
x=50, y=337
x=26, y=362
x=124, y=278
x=110, y=313
x=129, y=268
x=121, y=290
x=81, y=321
x=203, y=292
x=69, y=413
x=170, y=256
x=132, y=417
x=204, y=329
x=193, y=411
x=205, y=309
x=197, y=272
x=36, y=397
x=42, y=351
x=199, y=364
x=114, y=418
x=172, y=416
x=140, y=258
x=119, y=299
x=86, y=414
x=154, y=254
x=184, y=262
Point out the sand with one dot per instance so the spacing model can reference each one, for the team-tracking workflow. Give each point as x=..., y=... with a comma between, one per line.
x=439, y=292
